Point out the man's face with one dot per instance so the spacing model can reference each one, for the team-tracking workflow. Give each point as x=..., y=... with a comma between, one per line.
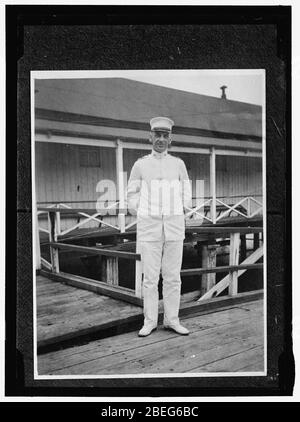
x=160, y=140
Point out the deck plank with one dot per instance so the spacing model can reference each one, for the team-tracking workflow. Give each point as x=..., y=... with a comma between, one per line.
x=111, y=345
x=224, y=341
x=236, y=362
x=67, y=309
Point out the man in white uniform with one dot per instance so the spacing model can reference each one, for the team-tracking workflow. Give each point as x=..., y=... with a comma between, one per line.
x=159, y=191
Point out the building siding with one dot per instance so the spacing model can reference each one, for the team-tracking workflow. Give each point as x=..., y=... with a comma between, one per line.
x=61, y=179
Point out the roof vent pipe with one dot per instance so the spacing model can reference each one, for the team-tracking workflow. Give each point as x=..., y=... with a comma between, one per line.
x=223, y=87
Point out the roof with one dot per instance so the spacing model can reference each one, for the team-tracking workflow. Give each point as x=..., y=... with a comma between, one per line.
x=132, y=101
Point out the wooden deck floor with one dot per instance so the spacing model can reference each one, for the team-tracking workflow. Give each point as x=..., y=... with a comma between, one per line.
x=64, y=311
x=230, y=340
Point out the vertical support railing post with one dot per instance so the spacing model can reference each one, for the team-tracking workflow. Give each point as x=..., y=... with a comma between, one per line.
x=248, y=207
x=234, y=260
x=138, y=272
x=52, y=224
x=255, y=241
x=120, y=182
x=110, y=270
x=213, y=185
x=209, y=260
x=58, y=220
x=243, y=247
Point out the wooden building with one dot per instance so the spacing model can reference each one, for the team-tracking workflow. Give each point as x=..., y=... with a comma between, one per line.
x=88, y=130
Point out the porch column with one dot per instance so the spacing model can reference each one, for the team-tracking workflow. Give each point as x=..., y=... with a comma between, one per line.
x=213, y=184
x=120, y=182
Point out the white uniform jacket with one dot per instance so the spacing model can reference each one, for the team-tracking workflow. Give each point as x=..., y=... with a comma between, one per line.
x=158, y=190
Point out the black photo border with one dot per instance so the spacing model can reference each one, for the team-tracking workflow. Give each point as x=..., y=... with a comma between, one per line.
x=216, y=37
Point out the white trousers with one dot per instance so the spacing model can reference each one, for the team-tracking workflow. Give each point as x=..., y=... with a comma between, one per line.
x=167, y=257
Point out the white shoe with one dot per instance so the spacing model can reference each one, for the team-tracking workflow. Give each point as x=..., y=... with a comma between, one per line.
x=147, y=330
x=178, y=328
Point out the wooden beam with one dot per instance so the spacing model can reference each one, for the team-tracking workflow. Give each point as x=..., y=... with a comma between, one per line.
x=217, y=303
x=173, y=148
x=88, y=211
x=96, y=140
x=96, y=251
x=220, y=269
x=72, y=133
x=46, y=264
x=234, y=260
x=239, y=153
x=57, y=139
x=99, y=287
x=223, y=230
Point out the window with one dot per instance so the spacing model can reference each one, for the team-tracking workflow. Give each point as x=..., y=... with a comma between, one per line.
x=89, y=157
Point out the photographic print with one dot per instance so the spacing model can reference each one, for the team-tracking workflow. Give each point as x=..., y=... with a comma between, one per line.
x=150, y=254
x=149, y=229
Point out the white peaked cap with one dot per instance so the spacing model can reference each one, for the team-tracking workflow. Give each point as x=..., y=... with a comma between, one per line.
x=161, y=123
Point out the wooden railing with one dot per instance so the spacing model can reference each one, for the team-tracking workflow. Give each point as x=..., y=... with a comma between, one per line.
x=109, y=285
x=242, y=208
x=89, y=214
x=235, y=269
x=203, y=211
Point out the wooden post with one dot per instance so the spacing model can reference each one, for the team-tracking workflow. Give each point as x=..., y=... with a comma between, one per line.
x=120, y=182
x=234, y=260
x=110, y=270
x=213, y=185
x=58, y=221
x=255, y=241
x=209, y=260
x=248, y=207
x=138, y=273
x=243, y=247
x=52, y=224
